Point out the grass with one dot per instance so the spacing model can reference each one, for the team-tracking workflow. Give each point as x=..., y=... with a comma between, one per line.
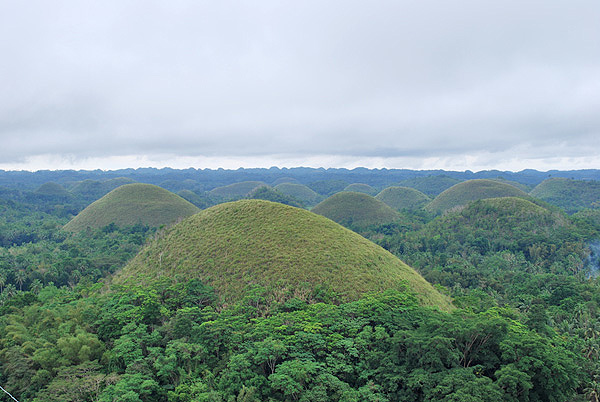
x=52, y=189
x=299, y=192
x=462, y=193
x=131, y=204
x=355, y=210
x=238, y=245
x=361, y=188
x=570, y=195
x=236, y=190
x=400, y=198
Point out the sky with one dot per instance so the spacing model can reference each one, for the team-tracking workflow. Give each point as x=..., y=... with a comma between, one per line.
x=417, y=84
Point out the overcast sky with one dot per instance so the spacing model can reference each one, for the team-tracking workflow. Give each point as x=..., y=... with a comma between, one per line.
x=418, y=84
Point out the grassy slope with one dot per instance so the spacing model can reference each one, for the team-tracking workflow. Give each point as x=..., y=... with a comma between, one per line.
x=571, y=195
x=355, y=209
x=462, y=193
x=361, y=188
x=403, y=198
x=52, y=189
x=236, y=190
x=235, y=245
x=298, y=191
x=131, y=204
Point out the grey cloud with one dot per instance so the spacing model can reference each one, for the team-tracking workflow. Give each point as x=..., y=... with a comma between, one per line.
x=380, y=79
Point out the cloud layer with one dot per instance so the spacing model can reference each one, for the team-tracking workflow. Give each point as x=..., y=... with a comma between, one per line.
x=299, y=81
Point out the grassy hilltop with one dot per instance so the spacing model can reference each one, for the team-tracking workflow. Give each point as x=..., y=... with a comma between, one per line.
x=355, y=209
x=132, y=204
x=462, y=193
x=299, y=192
x=235, y=245
x=361, y=188
x=403, y=198
x=570, y=195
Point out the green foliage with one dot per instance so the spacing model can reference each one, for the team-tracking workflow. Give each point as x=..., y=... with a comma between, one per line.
x=289, y=251
x=570, y=195
x=133, y=204
x=356, y=210
x=462, y=193
x=430, y=185
x=236, y=190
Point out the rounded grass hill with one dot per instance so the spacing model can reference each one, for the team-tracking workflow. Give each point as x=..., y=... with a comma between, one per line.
x=361, y=188
x=299, y=192
x=355, y=210
x=462, y=193
x=236, y=190
x=52, y=189
x=570, y=195
x=400, y=198
x=237, y=245
x=133, y=204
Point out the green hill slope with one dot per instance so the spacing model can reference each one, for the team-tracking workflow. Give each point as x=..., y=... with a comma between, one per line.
x=132, y=204
x=236, y=190
x=299, y=192
x=462, y=193
x=361, y=188
x=52, y=189
x=403, y=198
x=355, y=210
x=570, y=195
x=236, y=245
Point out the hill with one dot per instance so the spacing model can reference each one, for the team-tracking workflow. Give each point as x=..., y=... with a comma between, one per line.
x=52, y=189
x=236, y=190
x=361, y=188
x=237, y=245
x=270, y=194
x=400, y=198
x=570, y=195
x=92, y=190
x=355, y=210
x=430, y=185
x=462, y=193
x=282, y=180
x=299, y=192
x=131, y=204
x=201, y=201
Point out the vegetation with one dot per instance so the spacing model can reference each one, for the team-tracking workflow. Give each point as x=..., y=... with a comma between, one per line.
x=400, y=198
x=570, y=195
x=91, y=190
x=52, y=189
x=524, y=278
x=236, y=190
x=430, y=185
x=299, y=192
x=462, y=193
x=133, y=204
x=292, y=252
x=355, y=210
x=361, y=188
x=201, y=201
x=282, y=180
x=270, y=194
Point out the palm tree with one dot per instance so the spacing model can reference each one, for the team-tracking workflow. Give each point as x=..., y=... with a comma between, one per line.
x=20, y=277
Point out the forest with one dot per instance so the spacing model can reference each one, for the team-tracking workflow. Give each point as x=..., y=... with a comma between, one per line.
x=520, y=271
